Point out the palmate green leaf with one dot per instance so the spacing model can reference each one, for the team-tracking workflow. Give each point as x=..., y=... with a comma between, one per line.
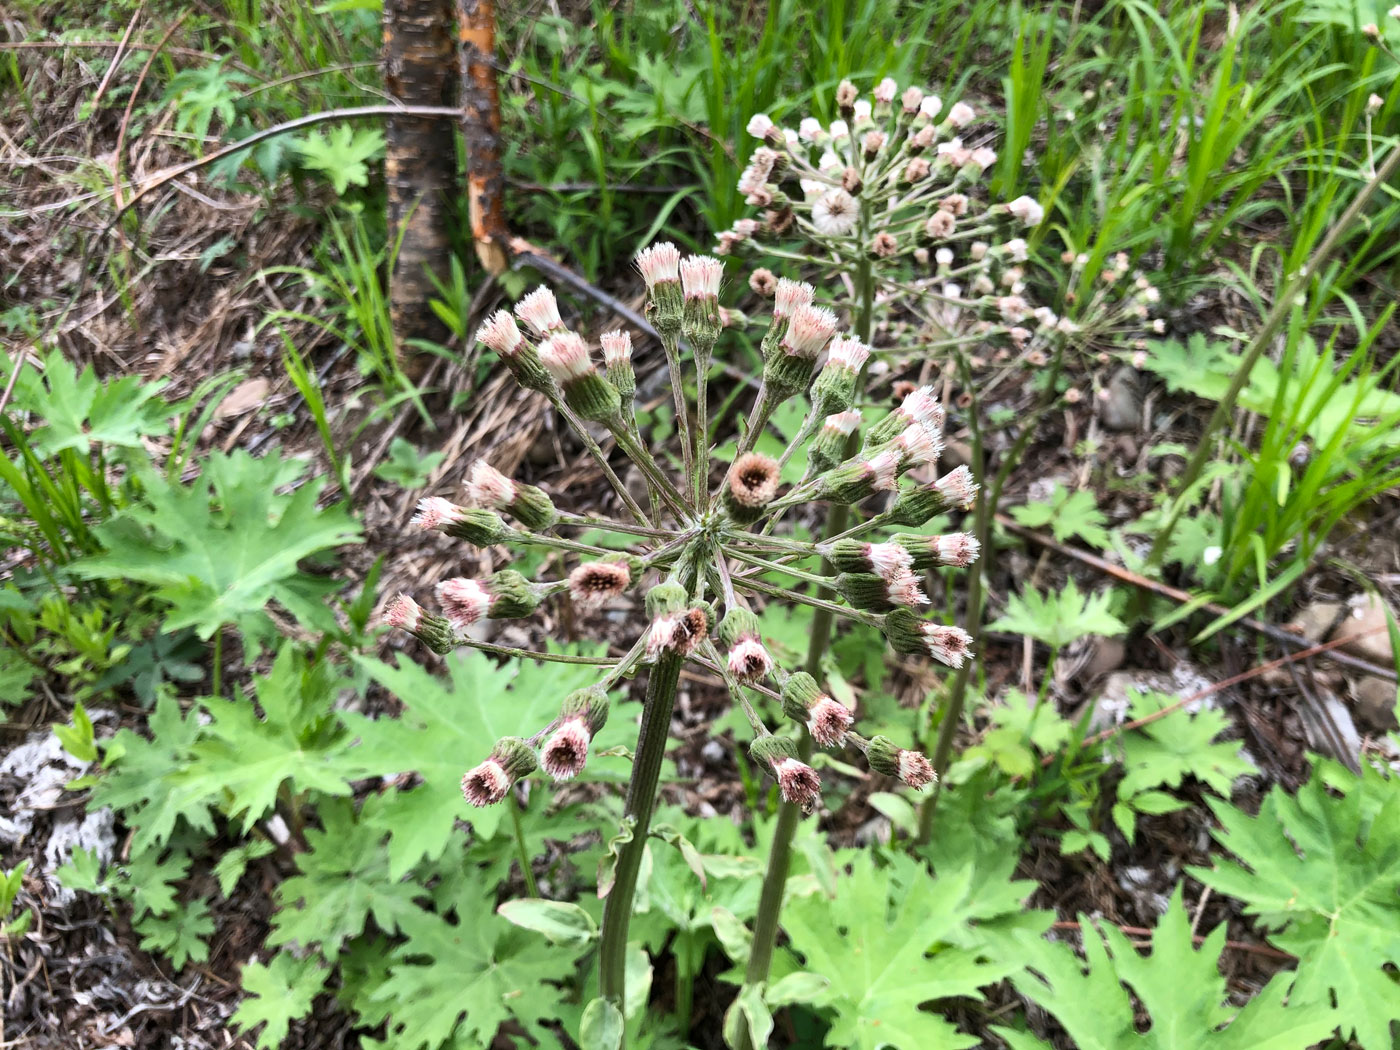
x=221, y=548
x=341, y=155
x=465, y=980
x=1069, y=515
x=1325, y=872
x=1180, y=988
x=448, y=726
x=79, y=410
x=1178, y=745
x=278, y=993
x=243, y=760
x=344, y=879
x=884, y=958
x=1058, y=619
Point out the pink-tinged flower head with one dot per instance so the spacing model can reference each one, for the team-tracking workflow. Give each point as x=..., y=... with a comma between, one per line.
x=915, y=770
x=961, y=115
x=679, y=632
x=749, y=661
x=1013, y=309
x=565, y=752
x=912, y=99
x=827, y=721
x=958, y=549
x=888, y=560
x=753, y=480
x=958, y=488
x=594, y=584
x=982, y=158
x=842, y=423
x=930, y=106
x=848, y=352
x=1016, y=249
x=902, y=588
x=954, y=203
x=977, y=250
x=811, y=130
x=434, y=512
x=885, y=91
x=873, y=142
x=797, y=782
x=659, y=263
x=1027, y=210
x=617, y=348
x=791, y=296
x=487, y=784
x=846, y=94
x=488, y=487
x=540, y=310
x=884, y=470
x=940, y=225
x=759, y=125
x=954, y=153
x=404, y=613
x=500, y=333
x=565, y=356
x=464, y=602
x=700, y=276
x=946, y=644
x=834, y=213
x=919, y=444
x=921, y=406
x=808, y=332
x=862, y=109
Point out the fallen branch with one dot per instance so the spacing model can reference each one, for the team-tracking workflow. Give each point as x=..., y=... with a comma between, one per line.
x=1277, y=634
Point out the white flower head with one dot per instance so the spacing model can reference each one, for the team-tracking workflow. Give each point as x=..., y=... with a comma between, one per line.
x=961, y=115
x=930, y=106
x=885, y=91
x=1027, y=210
x=811, y=130
x=759, y=125
x=834, y=213
x=540, y=310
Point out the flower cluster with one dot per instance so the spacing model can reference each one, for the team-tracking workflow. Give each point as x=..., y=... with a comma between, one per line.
x=898, y=180
x=707, y=554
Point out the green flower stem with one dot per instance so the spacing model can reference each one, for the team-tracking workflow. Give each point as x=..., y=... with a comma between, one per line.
x=530, y=654
x=770, y=901
x=1284, y=301
x=583, y=521
x=600, y=457
x=758, y=419
x=531, y=888
x=540, y=539
x=786, y=570
x=982, y=529
x=820, y=604
x=670, y=343
x=642, y=457
x=641, y=795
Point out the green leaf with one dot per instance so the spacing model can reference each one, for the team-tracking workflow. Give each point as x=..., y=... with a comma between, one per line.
x=279, y=992
x=559, y=921
x=796, y=987
x=79, y=410
x=748, y=1015
x=77, y=739
x=1324, y=871
x=180, y=936
x=1058, y=619
x=219, y=549
x=1181, y=744
x=892, y=940
x=1180, y=988
x=341, y=155
x=1070, y=515
x=602, y=1026
x=448, y=726
x=406, y=466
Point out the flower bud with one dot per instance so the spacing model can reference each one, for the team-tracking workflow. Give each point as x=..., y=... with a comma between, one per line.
x=750, y=486
x=918, y=407
x=825, y=718
x=501, y=334
x=846, y=95
x=857, y=479
x=958, y=549
x=589, y=704
x=906, y=633
x=660, y=266
x=617, y=360
x=788, y=370
x=507, y=595
x=565, y=356
x=666, y=598
x=488, y=487
x=481, y=528
x=835, y=388
x=583, y=714
x=540, y=310
x=797, y=782
x=910, y=767
x=700, y=318
x=433, y=631
x=883, y=559
x=749, y=661
x=875, y=592
x=593, y=584
x=828, y=447
x=509, y=761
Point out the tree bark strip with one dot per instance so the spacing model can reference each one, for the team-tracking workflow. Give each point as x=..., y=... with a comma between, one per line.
x=481, y=123
x=420, y=164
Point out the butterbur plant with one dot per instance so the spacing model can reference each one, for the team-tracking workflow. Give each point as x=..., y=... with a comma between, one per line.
x=706, y=554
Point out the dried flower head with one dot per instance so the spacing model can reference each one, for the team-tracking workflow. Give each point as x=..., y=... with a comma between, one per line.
x=593, y=584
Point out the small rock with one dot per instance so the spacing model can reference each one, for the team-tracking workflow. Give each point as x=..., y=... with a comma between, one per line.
x=1316, y=620
x=246, y=396
x=1107, y=656
x=1376, y=707
x=1367, y=618
x=1120, y=405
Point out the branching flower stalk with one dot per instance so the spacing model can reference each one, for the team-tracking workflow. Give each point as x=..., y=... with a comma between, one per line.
x=703, y=559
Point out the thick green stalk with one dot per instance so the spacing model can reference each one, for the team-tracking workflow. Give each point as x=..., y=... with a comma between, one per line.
x=641, y=795
x=1284, y=302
